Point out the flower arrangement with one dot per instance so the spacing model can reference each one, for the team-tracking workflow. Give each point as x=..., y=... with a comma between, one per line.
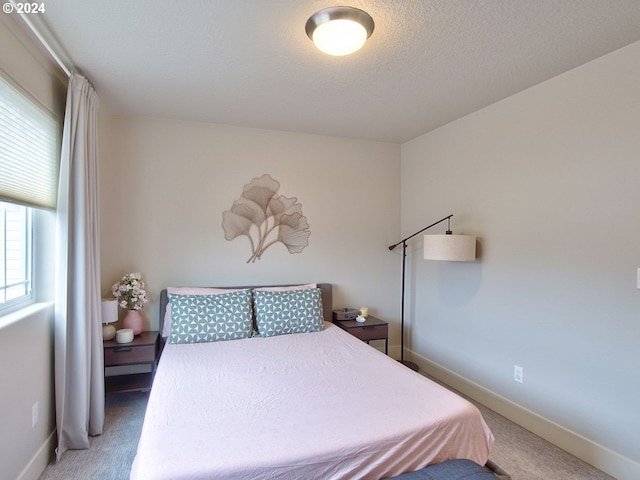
x=130, y=292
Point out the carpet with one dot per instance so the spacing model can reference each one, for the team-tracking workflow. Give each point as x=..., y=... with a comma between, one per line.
x=111, y=454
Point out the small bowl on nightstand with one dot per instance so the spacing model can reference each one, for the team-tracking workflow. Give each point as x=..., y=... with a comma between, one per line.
x=124, y=335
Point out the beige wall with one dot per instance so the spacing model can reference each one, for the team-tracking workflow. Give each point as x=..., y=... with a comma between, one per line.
x=26, y=376
x=26, y=336
x=24, y=63
x=165, y=184
x=549, y=182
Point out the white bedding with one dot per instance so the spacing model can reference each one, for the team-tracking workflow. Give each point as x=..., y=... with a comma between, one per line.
x=305, y=406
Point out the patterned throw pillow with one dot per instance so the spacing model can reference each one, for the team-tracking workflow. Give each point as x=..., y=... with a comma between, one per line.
x=291, y=311
x=210, y=318
x=166, y=324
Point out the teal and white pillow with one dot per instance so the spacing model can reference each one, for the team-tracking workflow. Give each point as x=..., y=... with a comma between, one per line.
x=290, y=311
x=210, y=318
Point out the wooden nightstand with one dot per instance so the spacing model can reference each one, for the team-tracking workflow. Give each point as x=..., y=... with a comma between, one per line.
x=144, y=350
x=372, y=329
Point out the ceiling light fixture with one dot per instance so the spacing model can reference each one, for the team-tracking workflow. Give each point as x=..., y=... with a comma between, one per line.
x=339, y=30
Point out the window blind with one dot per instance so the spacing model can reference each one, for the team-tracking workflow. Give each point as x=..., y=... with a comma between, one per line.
x=28, y=150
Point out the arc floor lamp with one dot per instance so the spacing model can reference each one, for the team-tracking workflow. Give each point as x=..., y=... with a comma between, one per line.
x=448, y=247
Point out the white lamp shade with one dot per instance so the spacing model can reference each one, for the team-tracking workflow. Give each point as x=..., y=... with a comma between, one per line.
x=452, y=248
x=109, y=310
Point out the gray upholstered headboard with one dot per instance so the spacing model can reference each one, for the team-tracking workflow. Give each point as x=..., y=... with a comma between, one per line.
x=325, y=290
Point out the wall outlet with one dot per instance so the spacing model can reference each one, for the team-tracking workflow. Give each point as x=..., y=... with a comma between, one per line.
x=34, y=414
x=518, y=374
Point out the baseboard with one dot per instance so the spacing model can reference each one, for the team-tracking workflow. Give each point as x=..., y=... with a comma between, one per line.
x=40, y=459
x=610, y=462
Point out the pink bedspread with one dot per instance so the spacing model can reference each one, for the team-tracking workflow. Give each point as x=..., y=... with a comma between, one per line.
x=306, y=406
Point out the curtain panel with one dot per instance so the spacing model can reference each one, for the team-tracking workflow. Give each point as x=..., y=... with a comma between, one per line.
x=79, y=372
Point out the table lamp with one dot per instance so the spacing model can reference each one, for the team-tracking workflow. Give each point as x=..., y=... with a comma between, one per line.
x=109, y=315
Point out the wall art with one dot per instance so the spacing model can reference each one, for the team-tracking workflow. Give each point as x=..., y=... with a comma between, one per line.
x=266, y=218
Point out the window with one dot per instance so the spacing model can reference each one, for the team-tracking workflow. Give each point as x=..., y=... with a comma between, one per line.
x=15, y=255
x=29, y=151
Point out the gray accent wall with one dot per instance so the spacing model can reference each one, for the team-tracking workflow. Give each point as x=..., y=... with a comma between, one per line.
x=549, y=181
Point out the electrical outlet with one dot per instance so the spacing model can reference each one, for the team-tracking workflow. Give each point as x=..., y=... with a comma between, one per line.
x=518, y=374
x=34, y=414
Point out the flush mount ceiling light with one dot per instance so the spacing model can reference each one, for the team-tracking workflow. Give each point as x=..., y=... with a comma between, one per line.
x=339, y=30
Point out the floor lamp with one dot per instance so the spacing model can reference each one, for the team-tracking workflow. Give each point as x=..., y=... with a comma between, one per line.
x=448, y=247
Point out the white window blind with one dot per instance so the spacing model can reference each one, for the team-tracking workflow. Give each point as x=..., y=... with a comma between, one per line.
x=28, y=150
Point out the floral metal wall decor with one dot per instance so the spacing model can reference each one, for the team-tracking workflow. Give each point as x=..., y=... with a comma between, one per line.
x=266, y=218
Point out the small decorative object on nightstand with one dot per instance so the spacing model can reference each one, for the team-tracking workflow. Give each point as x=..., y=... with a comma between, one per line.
x=124, y=335
x=131, y=295
x=144, y=351
x=371, y=329
x=133, y=321
x=109, y=316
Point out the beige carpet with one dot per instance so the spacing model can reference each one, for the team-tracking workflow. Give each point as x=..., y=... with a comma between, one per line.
x=525, y=456
x=520, y=453
x=111, y=454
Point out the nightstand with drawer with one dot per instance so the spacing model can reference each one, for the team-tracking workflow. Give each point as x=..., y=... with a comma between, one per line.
x=372, y=329
x=141, y=354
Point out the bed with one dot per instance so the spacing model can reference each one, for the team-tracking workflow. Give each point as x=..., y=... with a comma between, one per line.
x=311, y=404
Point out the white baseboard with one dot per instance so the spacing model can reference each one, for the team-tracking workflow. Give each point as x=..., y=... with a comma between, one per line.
x=610, y=462
x=40, y=459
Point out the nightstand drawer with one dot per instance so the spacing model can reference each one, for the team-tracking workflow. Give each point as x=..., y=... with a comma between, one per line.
x=373, y=332
x=126, y=354
x=143, y=350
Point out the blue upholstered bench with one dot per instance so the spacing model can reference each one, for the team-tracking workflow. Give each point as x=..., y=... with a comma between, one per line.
x=460, y=469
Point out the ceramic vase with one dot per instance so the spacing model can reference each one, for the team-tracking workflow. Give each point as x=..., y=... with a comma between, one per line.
x=133, y=320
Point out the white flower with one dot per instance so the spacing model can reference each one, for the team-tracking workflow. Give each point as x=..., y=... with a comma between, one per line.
x=130, y=292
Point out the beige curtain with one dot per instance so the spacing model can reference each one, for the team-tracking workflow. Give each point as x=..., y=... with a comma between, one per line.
x=79, y=376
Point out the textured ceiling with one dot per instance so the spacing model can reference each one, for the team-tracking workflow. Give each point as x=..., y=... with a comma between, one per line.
x=250, y=63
